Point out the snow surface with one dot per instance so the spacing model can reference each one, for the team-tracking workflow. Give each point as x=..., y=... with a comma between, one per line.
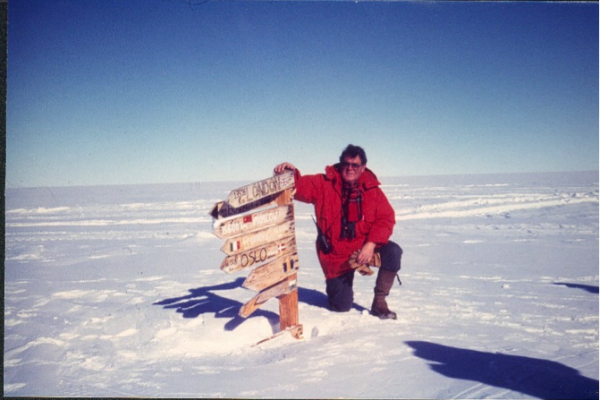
x=117, y=291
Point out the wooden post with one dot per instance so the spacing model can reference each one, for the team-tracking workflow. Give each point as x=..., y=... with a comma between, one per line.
x=288, y=307
x=289, y=318
x=284, y=198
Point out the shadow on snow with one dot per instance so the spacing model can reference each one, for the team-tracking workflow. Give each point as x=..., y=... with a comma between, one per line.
x=204, y=300
x=587, y=288
x=534, y=377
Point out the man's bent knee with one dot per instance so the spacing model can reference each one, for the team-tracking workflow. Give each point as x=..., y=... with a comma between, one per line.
x=339, y=305
x=391, y=255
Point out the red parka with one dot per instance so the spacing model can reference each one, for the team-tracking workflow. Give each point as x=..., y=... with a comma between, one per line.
x=325, y=192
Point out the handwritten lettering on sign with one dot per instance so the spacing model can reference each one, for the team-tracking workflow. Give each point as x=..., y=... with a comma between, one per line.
x=258, y=238
x=271, y=273
x=258, y=190
x=223, y=210
x=252, y=222
x=258, y=255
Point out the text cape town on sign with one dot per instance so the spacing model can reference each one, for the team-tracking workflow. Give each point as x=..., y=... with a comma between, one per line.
x=228, y=228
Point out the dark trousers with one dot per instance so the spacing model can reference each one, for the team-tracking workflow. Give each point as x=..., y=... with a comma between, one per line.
x=339, y=289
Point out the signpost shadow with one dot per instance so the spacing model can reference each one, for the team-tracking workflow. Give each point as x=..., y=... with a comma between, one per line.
x=204, y=300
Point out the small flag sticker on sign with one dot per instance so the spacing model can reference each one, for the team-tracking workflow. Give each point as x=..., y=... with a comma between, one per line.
x=288, y=265
x=281, y=248
x=234, y=246
x=248, y=219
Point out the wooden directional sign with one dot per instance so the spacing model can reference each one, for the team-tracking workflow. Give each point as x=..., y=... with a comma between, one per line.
x=258, y=255
x=252, y=222
x=271, y=273
x=224, y=210
x=260, y=189
x=284, y=287
x=254, y=239
x=264, y=240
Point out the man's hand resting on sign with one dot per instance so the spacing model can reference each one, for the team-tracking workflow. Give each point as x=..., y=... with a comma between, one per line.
x=282, y=167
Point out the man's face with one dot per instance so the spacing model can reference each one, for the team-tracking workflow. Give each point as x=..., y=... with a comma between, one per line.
x=352, y=168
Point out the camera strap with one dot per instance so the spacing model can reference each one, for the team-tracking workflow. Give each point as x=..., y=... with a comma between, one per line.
x=351, y=209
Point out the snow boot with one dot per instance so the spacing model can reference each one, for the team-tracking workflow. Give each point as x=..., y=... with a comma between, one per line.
x=383, y=285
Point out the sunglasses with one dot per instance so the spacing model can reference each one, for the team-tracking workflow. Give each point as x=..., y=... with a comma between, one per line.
x=346, y=165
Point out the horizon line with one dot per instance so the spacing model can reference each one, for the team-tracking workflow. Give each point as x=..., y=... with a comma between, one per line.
x=251, y=180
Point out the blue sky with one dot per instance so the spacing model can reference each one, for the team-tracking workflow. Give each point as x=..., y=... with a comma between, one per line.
x=157, y=91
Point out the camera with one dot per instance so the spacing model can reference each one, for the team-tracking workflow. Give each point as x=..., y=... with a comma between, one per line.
x=322, y=242
x=348, y=230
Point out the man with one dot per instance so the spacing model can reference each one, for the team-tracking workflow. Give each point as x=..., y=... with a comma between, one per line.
x=355, y=218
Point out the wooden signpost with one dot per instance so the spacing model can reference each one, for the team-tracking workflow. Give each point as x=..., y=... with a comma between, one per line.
x=247, y=242
x=264, y=240
x=252, y=196
x=269, y=274
x=253, y=222
x=283, y=287
x=258, y=255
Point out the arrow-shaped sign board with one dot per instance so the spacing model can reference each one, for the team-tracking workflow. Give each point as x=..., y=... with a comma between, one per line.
x=259, y=255
x=285, y=287
x=272, y=273
x=258, y=190
x=252, y=222
x=224, y=210
x=254, y=239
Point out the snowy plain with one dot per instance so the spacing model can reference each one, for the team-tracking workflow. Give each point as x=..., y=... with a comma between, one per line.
x=116, y=291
